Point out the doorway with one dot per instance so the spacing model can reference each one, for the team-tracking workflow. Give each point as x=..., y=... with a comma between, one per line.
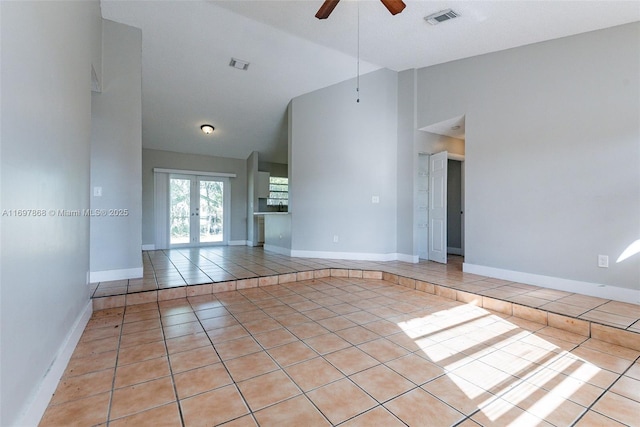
x=440, y=206
x=197, y=214
x=440, y=195
x=455, y=207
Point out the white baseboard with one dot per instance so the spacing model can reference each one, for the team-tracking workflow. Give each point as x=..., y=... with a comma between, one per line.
x=454, y=251
x=354, y=256
x=151, y=247
x=239, y=243
x=567, y=285
x=278, y=249
x=35, y=408
x=108, y=275
x=414, y=259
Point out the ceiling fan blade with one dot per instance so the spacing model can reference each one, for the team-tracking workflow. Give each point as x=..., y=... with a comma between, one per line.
x=394, y=6
x=326, y=9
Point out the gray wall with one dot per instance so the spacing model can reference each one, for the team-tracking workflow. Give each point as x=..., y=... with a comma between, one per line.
x=406, y=163
x=342, y=154
x=170, y=160
x=116, y=151
x=274, y=169
x=47, y=48
x=552, y=176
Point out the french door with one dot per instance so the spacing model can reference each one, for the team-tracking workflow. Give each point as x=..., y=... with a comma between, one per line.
x=197, y=213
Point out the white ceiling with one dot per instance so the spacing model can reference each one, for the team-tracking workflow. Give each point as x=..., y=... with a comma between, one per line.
x=454, y=127
x=187, y=46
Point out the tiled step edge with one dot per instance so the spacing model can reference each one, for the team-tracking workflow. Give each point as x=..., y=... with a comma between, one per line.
x=610, y=334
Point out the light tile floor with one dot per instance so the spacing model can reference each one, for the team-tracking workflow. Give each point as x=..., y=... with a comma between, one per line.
x=338, y=351
x=179, y=268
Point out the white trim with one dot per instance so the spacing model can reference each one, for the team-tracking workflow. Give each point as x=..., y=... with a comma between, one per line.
x=35, y=408
x=239, y=243
x=150, y=247
x=279, y=250
x=354, y=256
x=161, y=210
x=189, y=172
x=414, y=259
x=454, y=156
x=567, y=285
x=107, y=275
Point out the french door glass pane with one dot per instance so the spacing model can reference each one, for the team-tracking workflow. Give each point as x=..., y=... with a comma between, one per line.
x=180, y=215
x=211, y=210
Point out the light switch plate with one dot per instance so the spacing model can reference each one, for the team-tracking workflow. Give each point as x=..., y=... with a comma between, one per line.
x=603, y=261
x=97, y=191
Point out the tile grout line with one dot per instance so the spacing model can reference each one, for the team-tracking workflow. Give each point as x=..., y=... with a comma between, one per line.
x=305, y=393
x=115, y=368
x=302, y=392
x=348, y=377
x=607, y=390
x=173, y=382
x=222, y=361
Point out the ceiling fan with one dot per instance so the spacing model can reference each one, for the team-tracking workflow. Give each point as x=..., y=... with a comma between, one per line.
x=394, y=7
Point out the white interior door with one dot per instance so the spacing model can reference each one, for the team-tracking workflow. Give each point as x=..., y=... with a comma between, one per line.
x=438, y=207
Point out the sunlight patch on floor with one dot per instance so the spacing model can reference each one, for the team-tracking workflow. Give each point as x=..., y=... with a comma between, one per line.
x=529, y=377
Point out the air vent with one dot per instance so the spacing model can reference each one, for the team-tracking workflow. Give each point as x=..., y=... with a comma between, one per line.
x=443, y=15
x=239, y=64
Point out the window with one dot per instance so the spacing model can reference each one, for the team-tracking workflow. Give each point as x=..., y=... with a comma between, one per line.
x=278, y=191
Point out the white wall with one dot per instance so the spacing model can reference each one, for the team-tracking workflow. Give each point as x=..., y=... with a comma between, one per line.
x=116, y=157
x=169, y=160
x=46, y=129
x=342, y=154
x=552, y=159
x=407, y=164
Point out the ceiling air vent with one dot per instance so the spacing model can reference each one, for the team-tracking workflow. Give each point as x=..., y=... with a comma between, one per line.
x=239, y=64
x=438, y=17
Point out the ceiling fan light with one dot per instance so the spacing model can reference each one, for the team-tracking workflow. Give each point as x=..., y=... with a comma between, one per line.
x=207, y=129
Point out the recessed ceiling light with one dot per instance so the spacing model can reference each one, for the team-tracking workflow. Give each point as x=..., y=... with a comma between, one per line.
x=239, y=64
x=208, y=129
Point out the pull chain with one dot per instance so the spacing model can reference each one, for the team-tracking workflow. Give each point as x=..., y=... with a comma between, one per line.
x=358, y=64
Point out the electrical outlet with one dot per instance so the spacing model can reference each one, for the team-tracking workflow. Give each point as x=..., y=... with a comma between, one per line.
x=335, y=239
x=97, y=191
x=375, y=199
x=603, y=261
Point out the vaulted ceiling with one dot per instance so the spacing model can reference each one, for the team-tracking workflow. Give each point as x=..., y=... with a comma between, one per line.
x=187, y=47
